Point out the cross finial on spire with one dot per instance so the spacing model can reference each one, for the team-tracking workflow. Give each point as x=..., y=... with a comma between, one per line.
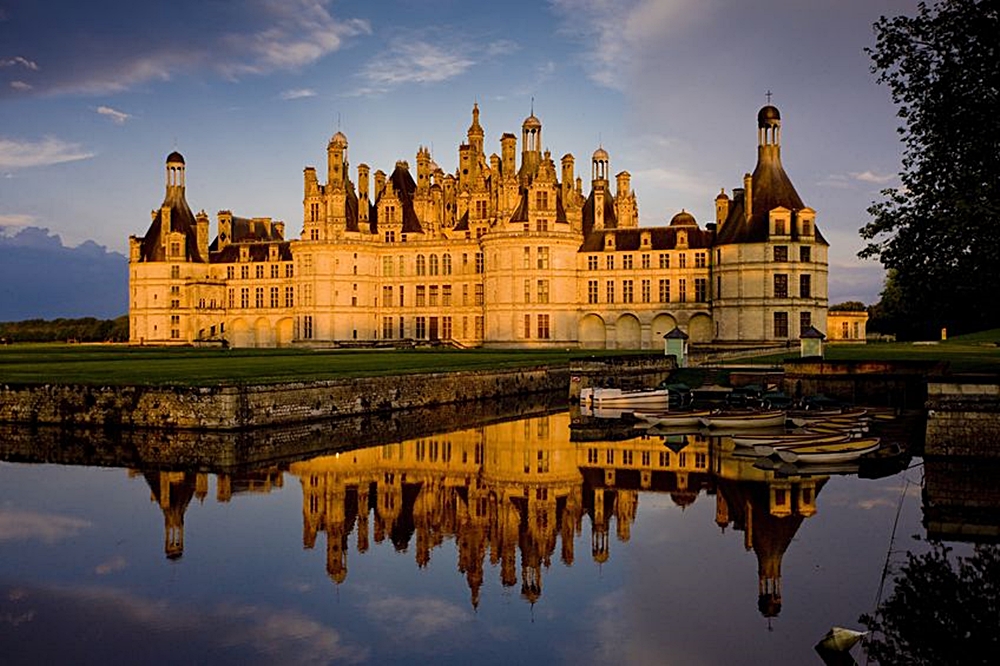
x=768, y=95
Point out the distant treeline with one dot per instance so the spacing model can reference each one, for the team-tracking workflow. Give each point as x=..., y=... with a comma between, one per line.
x=86, y=329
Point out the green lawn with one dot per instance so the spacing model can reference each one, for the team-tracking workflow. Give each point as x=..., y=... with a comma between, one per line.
x=976, y=352
x=118, y=364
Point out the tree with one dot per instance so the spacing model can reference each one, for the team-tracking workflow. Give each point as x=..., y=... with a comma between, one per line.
x=849, y=306
x=940, y=613
x=939, y=233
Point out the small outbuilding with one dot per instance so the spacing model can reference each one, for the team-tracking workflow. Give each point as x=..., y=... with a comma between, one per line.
x=675, y=343
x=812, y=342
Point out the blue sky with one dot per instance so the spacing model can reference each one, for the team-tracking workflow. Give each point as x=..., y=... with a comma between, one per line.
x=94, y=95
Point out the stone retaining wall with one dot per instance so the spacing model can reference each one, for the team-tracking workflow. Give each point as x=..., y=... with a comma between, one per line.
x=239, y=407
x=963, y=417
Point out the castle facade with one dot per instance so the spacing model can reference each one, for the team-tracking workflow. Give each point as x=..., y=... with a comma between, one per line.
x=504, y=252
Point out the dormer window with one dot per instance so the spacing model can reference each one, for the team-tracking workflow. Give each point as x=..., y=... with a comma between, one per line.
x=779, y=227
x=807, y=228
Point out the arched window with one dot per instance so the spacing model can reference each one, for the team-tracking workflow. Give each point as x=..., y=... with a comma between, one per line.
x=434, y=264
x=421, y=265
x=446, y=264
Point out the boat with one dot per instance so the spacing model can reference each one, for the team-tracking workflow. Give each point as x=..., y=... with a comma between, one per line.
x=755, y=419
x=782, y=440
x=614, y=398
x=825, y=453
x=681, y=419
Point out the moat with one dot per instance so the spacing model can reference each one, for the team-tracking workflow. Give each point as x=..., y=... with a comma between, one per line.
x=512, y=538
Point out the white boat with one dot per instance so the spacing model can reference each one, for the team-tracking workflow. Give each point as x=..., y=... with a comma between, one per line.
x=827, y=453
x=789, y=439
x=730, y=420
x=613, y=398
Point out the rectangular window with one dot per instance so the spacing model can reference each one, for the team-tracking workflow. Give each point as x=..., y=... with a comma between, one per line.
x=479, y=294
x=591, y=291
x=289, y=270
x=682, y=259
x=664, y=459
x=527, y=326
x=543, y=291
x=664, y=260
x=682, y=290
x=627, y=262
x=232, y=298
x=700, y=260
x=230, y=272
x=645, y=458
x=627, y=457
x=446, y=295
x=627, y=291
x=274, y=271
x=259, y=271
x=779, y=227
x=421, y=296
x=432, y=296
x=610, y=262
x=259, y=297
x=175, y=272
x=781, y=324
x=664, y=291
x=387, y=265
x=307, y=327
x=591, y=456
x=543, y=327
x=387, y=328
x=543, y=258
x=387, y=296
x=527, y=257
x=480, y=262
x=274, y=297
x=645, y=261
x=700, y=290
x=446, y=328
x=402, y=297
x=402, y=328
x=421, y=330
x=480, y=325
x=245, y=272
x=465, y=294
x=805, y=321
x=610, y=288
x=805, y=254
x=781, y=253
x=289, y=297
x=245, y=297
x=805, y=286
x=646, y=291
x=609, y=456
x=592, y=262
x=781, y=286
x=527, y=291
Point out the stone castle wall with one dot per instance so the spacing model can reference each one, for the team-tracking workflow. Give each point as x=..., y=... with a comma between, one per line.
x=237, y=407
x=963, y=417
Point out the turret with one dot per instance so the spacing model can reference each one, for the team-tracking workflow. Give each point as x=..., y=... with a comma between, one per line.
x=721, y=208
x=476, y=133
x=508, y=145
x=336, y=160
x=363, y=201
x=531, y=148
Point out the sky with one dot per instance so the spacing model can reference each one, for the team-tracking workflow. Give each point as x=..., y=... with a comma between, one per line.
x=94, y=95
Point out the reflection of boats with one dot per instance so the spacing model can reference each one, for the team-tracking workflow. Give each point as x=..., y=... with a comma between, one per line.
x=787, y=439
x=615, y=398
x=767, y=419
x=823, y=453
x=680, y=419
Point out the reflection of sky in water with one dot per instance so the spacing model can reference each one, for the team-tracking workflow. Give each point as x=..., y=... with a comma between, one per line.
x=84, y=577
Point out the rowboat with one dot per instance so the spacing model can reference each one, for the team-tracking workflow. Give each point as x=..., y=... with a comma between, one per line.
x=681, y=419
x=788, y=439
x=826, y=453
x=615, y=398
x=767, y=419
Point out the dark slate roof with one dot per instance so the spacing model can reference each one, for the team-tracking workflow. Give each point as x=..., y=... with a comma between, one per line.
x=258, y=252
x=175, y=157
x=246, y=229
x=404, y=186
x=463, y=223
x=770, y=188
x=610, y=219
x=660, y=238
x=181, y=220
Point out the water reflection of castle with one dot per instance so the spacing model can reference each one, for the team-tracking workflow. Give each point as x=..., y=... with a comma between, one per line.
x=520, y=487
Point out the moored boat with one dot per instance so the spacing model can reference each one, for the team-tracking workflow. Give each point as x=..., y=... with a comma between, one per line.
x=730, y=420
x=846, y=451
x=619, y=399
x=788, y=439
x=681, y=419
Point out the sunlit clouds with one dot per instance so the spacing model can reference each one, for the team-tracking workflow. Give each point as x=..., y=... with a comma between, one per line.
x=116, y=116
x=22, y=154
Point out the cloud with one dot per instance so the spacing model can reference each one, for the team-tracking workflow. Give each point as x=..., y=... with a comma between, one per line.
x=19, y=61
x=20, y=85
x=502, y=47
x=870, y=177
x=414, y=62
x=281, y=35
x=417, y=619
x=15, y=154
x=116, y=116
x=298, y=93
x=16, y=525
x=16, y=220
x=613, y=35
x=116, y=563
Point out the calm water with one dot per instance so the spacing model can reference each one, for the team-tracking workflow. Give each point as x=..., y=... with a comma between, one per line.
x=512, y=541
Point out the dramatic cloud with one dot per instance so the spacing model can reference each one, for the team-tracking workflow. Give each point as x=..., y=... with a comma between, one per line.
x=614, y=35
x=116, y=116
x=16, y=525
x=18, y=61
x=298, y=93
x=414, y=62
x=16, y=220
x=15, y=154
